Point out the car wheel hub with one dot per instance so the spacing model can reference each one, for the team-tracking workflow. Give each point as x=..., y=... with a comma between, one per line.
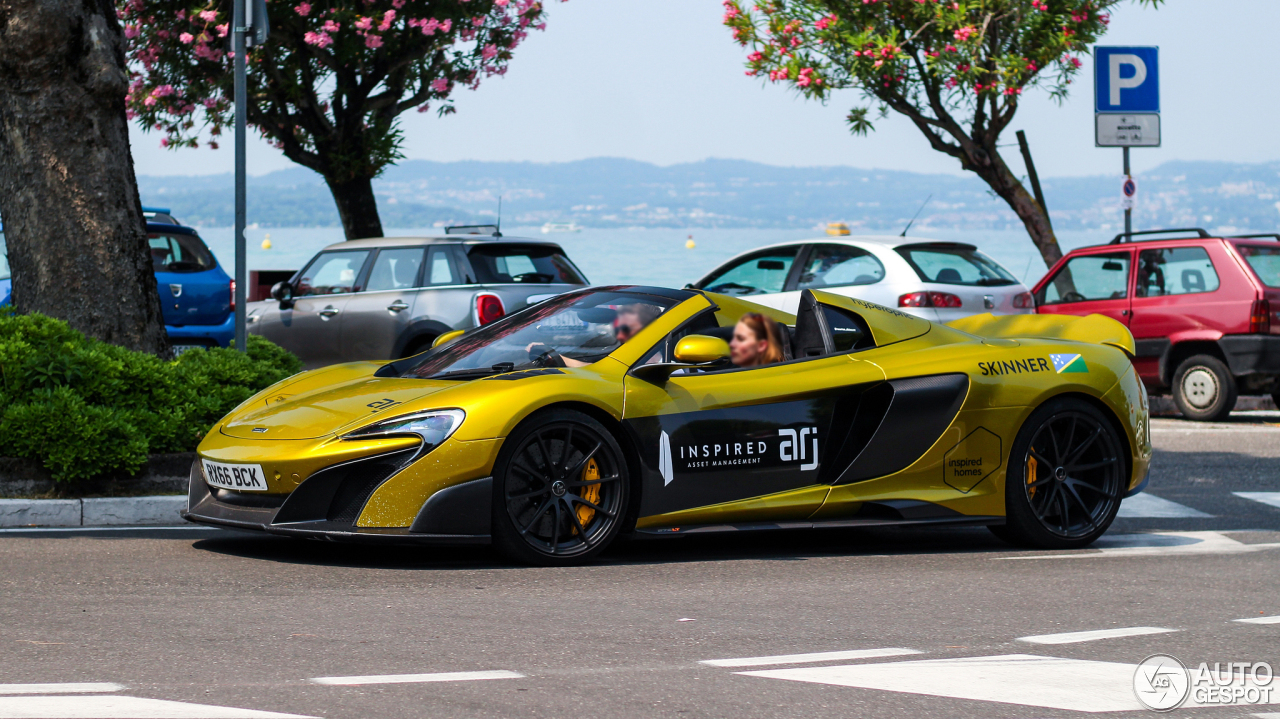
x=558, y=488
x=1200, y=388
x=1060, y=473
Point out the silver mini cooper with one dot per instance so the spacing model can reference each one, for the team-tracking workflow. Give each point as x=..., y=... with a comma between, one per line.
x=391, y=297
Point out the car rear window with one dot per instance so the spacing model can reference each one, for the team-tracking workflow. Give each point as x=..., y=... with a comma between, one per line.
x=1265, y=262
x=955, y=265
x=179, y=253
x=524, y=264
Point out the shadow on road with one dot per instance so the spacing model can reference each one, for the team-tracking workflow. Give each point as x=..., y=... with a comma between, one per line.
x=781, y=545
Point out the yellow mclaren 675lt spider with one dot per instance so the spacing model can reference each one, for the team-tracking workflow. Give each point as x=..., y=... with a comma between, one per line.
x=616, y=410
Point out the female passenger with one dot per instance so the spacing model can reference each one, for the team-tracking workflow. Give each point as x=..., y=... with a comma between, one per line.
x=757, y=341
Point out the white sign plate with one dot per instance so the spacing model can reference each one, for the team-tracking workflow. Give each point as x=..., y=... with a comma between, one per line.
x=237, y=477
x=1133, y=130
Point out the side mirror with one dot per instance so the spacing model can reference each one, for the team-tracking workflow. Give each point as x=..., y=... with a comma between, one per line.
x=693, y=351
x=701, y=349
x=446, y=338
x=282, y=292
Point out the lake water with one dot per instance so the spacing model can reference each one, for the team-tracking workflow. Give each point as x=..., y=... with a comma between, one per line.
x=640, y=256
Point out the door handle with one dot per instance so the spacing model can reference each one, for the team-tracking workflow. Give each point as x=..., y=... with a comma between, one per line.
x=397, y=306
x=329, y=311
x=1124, y=313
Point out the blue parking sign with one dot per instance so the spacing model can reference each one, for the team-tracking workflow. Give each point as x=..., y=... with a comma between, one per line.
x=1126, y=79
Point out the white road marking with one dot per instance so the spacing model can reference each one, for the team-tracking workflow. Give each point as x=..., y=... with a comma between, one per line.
x=1259, y=620
x=71, y=688
x=118, y=707
x=807, y=658
x=1157, y=544
x=1271, y=498
x=1142, y=506
x=417, y=678
x=1093, y=635
x=1049, y=682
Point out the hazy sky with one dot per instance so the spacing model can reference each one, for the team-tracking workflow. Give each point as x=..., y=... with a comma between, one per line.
x=661, y=81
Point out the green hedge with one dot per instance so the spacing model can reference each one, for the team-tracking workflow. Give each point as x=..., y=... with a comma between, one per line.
x=87, y=409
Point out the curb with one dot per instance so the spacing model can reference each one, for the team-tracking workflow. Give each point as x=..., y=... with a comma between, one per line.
x=98, y=512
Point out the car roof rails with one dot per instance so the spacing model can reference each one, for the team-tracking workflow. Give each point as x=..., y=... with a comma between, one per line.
x=490, y=230
x=1258, y=236
x=159, y=214
x=1200, y=234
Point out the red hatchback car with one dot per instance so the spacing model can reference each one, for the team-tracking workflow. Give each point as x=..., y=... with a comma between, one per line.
x=1204, y=310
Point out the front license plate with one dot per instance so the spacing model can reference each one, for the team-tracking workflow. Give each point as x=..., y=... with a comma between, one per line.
x=237, y=477
x=179, y=349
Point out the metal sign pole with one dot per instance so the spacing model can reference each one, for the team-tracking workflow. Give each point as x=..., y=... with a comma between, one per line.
x=241, y=100
x=1128, y=211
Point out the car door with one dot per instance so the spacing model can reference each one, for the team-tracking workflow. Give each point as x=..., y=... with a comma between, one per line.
x=375, y=316
x=1178, y=295
x=711, y=438
x=1095, y=283
x=310, y=325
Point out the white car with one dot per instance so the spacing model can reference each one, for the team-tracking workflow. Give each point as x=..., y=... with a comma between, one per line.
x=940, y=281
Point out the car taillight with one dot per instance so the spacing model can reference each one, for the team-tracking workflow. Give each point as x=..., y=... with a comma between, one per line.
x=233, y=295
x=1024, y=301
x=1260, y=317
x=929, y=299
x=488, y=309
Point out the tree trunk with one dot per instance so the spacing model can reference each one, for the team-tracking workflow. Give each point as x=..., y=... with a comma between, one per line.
x=77, y=240
x=357, y=207
x=1006, y=185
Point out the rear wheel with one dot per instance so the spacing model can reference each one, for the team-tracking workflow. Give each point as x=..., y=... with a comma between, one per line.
x=560, y=490
x=1204, y=389
x=1066, y=476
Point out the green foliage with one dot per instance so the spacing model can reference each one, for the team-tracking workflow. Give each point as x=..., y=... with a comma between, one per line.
x=85, y=408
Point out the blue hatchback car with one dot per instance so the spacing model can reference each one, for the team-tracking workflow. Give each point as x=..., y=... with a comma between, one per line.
x=195, y=293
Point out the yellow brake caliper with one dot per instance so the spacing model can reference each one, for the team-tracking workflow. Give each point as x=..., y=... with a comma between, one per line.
x=591, y=492
x=1032, y=464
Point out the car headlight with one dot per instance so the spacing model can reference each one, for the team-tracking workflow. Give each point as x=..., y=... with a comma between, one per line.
x=433, y=426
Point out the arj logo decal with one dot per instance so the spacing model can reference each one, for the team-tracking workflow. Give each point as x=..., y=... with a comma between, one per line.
x=794, y=444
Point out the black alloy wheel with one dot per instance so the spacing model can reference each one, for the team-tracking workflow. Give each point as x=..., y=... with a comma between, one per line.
x=1067, y=475
x=560, y=490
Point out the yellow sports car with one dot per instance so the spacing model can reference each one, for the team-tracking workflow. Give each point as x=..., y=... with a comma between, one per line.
x=616, y=410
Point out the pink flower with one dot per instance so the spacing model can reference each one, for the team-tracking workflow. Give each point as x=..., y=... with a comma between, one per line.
x=477, y=21
x=131, y=31
x=208, y=15
x=303, y=9
x=446, y=26
x=163, y=91
x=965, y=33
x=222, y=30
x=186, y=38
x=319, y=39
x=440, y=84
x=372, y=41
x=331, y=26
x=149, y=101
x=424, y=107
x=164, y=142
x=387, y=18
x=364, y=23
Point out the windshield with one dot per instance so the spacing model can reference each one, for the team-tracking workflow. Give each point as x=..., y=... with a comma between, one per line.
x=179, y=253
x=957, y=265
x=538, y=264
x=4, y=259
x=571, y=330
x=1265, y=262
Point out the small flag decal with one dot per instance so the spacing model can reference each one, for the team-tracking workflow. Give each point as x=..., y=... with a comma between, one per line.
x=1068, y=363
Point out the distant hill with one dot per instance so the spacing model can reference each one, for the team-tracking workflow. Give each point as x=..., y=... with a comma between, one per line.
x=610, y=192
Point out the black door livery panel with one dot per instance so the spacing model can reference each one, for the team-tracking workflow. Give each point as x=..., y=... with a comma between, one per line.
x=693, y=459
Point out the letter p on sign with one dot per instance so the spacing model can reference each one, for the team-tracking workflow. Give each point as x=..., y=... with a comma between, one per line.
x=1126, y=79
x=1118, y=83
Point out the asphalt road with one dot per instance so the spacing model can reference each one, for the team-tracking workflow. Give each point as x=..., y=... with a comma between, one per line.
x=203, y=623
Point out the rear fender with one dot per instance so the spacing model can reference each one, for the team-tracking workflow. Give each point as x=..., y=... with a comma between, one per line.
x=1095, y=329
